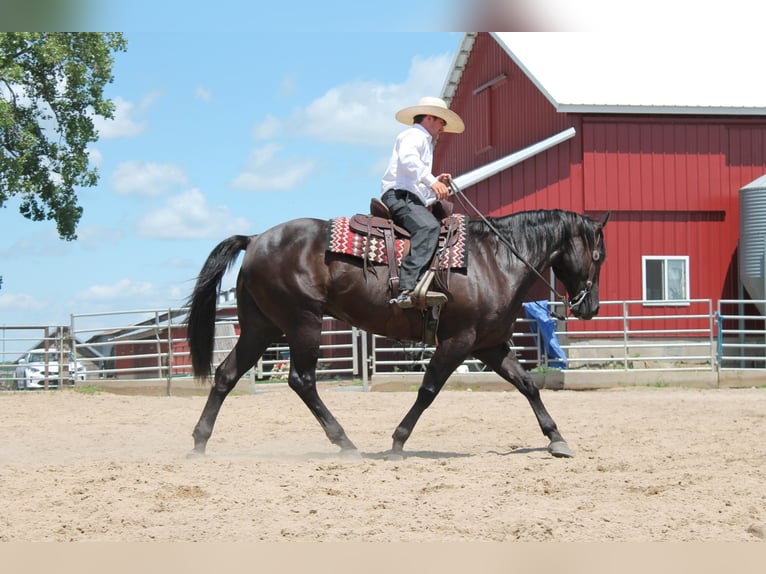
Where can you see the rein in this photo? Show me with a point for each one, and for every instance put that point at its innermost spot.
(568, 304)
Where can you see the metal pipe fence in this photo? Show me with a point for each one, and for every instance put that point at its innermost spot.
(388, 356)
(620, 338)
(625, 335)
(741, 335)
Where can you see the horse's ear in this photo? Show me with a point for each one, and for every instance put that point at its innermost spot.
(602, 222)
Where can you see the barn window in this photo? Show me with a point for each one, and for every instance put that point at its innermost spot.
(481, 124)
(666, 280)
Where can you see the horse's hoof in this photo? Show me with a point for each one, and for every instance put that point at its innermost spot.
(394, 456)
(196, 454)
(560, 449)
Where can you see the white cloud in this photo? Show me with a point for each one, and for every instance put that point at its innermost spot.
(95, 157)
(268, 128)
(262, 156)
(125, 288)
(287, 87)
(130, 294)
(203, 94)
(124, 123)
(150, 179)
(358, 113)
(178, 293)
(264, 170)
(43, 244)
(20, 302)
(362, 113)
(97, 236)
(188, 216)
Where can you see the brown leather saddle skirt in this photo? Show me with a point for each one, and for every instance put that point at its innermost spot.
(377, 240)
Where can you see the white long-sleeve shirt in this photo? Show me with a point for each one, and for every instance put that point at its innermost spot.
(410, 164)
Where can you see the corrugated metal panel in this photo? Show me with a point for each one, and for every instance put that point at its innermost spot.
(503, 112)
(706, 237)
(666, 184)
(653, 165)
(671, 183)
(752, 247)
(492, 168)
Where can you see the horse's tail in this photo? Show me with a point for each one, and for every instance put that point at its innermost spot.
(200, 322)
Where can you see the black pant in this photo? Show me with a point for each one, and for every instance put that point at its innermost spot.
(409, 212)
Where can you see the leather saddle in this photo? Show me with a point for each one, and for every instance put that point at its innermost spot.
(440, 209)
(379, 220)
(379, 224)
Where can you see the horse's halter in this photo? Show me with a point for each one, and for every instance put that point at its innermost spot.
(569, 304)
(580, 297)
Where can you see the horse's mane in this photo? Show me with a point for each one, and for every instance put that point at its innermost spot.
(536, 232)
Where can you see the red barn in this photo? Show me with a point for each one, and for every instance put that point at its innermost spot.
(664, 139)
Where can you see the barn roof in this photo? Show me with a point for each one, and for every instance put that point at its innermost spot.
(629, 73)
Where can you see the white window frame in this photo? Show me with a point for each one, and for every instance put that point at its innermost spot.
(666, 286)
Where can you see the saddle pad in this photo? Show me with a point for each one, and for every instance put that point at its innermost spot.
(347, 241)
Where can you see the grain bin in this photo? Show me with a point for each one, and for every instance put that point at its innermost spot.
(752, 239)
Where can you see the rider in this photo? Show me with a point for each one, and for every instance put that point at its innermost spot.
(409, 188)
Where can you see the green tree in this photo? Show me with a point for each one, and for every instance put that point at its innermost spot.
(51, 88)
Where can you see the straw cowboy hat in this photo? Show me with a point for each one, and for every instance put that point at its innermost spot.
(431, 106)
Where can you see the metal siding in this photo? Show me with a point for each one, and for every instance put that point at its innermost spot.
(634, 165)
(509, 115)
(753, 233)
(662, 179)
(671, 182)
(746, 162)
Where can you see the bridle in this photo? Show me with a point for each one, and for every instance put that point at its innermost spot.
(569, 304)
(580, 297)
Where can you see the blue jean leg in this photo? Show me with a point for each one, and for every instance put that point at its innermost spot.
(409, 213)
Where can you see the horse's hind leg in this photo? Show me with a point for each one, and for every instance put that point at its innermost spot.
(242, 357)
(304, 354)
(503, 361)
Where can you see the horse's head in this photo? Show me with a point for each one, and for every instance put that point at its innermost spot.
(579, 265)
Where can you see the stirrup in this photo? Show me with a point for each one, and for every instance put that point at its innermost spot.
(435, 298)
(432, 298)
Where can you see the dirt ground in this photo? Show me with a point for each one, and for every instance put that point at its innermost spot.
(651, 464)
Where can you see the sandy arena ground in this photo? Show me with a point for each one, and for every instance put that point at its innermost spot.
(651, 464)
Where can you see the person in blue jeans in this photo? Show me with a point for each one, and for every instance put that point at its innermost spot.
(408, 189)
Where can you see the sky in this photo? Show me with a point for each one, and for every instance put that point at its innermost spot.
(216, 134)
(230, 120)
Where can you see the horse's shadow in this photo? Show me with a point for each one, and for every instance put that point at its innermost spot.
(386, 455)
(526, 450)
(438, 455)
(424, 454)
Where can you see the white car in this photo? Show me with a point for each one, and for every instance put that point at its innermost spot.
(39, 365)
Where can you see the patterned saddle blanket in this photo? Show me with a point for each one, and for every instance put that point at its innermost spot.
(374, 238)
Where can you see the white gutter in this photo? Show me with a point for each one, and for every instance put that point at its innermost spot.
(484, 172)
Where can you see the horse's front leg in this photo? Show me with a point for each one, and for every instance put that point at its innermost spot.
(439, 368)
(503, 361)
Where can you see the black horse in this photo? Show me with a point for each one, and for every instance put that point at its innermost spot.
(289, 280)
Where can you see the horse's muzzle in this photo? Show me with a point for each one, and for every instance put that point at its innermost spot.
(586, 315)
(583, 305)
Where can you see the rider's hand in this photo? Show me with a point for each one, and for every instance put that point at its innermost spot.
(441, 190)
